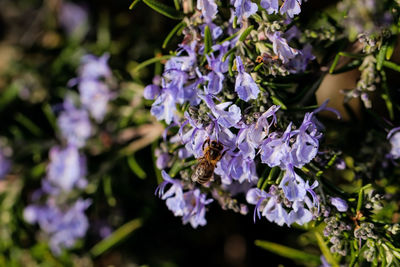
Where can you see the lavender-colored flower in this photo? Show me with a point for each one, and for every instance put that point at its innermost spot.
(244, 9)
(281, 47)
(245, 86)
(151, 91)
(66, 168)
(195, 208)
(94, 68)
(394, 139)
(74, 125)
(164, 107)
(224, 118)
(276, 151)
(63, 225)
(339, 203)
(300, 62)
(300, 215)
(291, 7)
(208, 9)
(94, 96)
(162, 158)
(5, 164)
(272, 6)
(293, 186)
(73, 18)
(190, 205)
(250, 137)
(306, 146)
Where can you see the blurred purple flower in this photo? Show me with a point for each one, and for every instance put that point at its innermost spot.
(63, 225)
(74, 125)
(339, 203)
(272, 6)
(300, 62)
(94, 68)
(67, 168)
(5, 164)
(394, 139)
(73, 18)
(94, 96)
(245, 86)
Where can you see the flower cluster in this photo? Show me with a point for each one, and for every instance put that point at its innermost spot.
(234, 84)
(61, 216)
(199, 78)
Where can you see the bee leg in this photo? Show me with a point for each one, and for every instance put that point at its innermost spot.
(206, 142)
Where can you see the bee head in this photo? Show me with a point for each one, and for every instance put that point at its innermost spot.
(217, 145)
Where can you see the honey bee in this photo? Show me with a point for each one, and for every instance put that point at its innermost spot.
(212, 153)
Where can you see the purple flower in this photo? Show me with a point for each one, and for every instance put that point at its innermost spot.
(244, 9)
(245, 86)
(73, 18)
(164, 107)
(293, 186)
(94, 96)
(208, 9)
(272, 6)
(151, 91)
(195, 208)
(339, 203)
(394, 139)
(5, 164)
(306, 146)
(250, 137)
(224, 118)
(291, 7)
(281, 47)
(66, 168)
(300, 215)
(63, 225)
(276, 151)
(94, 68)
(300, 62)
(162, 159)
(190, 205)
(74, 125)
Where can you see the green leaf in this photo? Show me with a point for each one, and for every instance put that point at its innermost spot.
(287, 252)
(325, 250)
(245, 33)
(176, 29)
(28, 124)
(134, 3)
(135, 167)
(279, 102)
(231, 51)
(390, 48)
(381, 57)
(107, 187)
(391, 65)
(116, 237)
(9, 94)
(165, 10)
(207, 40)
(150, 61)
